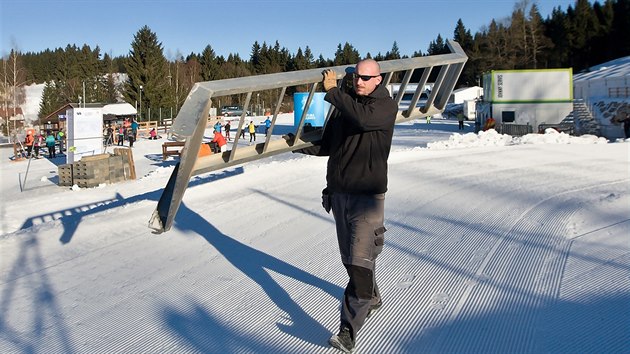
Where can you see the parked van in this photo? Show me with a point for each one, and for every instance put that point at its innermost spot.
(231, 111)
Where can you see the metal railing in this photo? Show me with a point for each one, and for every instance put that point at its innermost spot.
(191, 122)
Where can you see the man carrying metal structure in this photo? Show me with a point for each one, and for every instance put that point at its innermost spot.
(357, 140)
(366, 113)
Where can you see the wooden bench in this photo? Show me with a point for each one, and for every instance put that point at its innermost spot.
(176, 148)
(172, 148)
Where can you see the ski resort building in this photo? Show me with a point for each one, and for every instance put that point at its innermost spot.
(605, 89)
(522, 100)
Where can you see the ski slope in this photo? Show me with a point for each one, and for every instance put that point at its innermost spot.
(490, 248)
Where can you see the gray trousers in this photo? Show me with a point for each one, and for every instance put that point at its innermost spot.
(361, 235)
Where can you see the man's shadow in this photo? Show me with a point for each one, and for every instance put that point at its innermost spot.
(256, 265)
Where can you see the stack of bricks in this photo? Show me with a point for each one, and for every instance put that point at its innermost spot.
(91, 171)
(65, 175)
(116, 169)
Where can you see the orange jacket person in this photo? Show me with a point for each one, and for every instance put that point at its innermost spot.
(220, 141)
(29, 143)
(489, 124)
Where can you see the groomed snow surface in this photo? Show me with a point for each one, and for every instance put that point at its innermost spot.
(494, 245)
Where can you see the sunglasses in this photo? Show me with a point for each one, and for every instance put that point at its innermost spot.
(363, 77)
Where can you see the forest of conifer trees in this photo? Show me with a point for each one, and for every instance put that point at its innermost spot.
(582, 36)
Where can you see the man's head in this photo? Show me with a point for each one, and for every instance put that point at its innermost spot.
(367, 75)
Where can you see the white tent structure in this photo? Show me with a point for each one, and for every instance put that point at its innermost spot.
(119, 109)
(464, 94)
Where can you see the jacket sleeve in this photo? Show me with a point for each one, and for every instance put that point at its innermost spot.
(376, 114)
(321, 147)
(314, 150)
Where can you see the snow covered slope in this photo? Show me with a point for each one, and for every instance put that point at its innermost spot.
(493, 246)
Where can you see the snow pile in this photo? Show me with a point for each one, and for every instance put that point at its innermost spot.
(552, 136)
(493, 138)
(483, 138)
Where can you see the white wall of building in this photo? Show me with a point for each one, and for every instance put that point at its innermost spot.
(465, 94)
(531, 97)
(84, 133)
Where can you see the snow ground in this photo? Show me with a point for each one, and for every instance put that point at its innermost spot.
(494, 245)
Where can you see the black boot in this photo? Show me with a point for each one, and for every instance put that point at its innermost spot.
(343, 340)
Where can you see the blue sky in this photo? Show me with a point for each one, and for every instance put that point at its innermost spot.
(232, 26)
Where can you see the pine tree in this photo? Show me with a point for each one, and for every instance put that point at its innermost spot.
(255, 58)
(556, 30)
(208, 64)
(394, 53)
(323, 63)
(309, 58)
(91, 74)
(110, 91)
(462, 36)
(147, 75)
(346, 55)
(582, 29)
(438, 46)
(602, 46)
(66, 76)
(619, 39)
(50, 100)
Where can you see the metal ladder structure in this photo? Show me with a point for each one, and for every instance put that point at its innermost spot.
(191, 121)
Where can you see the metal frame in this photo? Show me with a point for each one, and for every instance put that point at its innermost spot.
(192, 119)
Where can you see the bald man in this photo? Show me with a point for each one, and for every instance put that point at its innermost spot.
(357, 140)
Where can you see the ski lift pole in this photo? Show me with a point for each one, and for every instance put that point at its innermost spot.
(28, 166)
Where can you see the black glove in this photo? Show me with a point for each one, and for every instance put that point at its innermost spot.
(289, 138)
(326, 200)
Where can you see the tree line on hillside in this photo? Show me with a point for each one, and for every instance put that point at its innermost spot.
(584, 35)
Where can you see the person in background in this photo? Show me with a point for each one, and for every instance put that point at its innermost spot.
(252, 132)
(267, 125)
(28, 142)
(153, 134)
(243, 128)
(61, 137)
(357, 140)
(50, 144)
(130, 137)
(121, 135)
(227, 127)
(460, 121)
(220, 143)
(626, 126)
(134, 129)
(490, 123)
(218, 126)
(38, 143)
(110, 135)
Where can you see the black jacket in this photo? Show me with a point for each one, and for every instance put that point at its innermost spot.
(357, 139)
